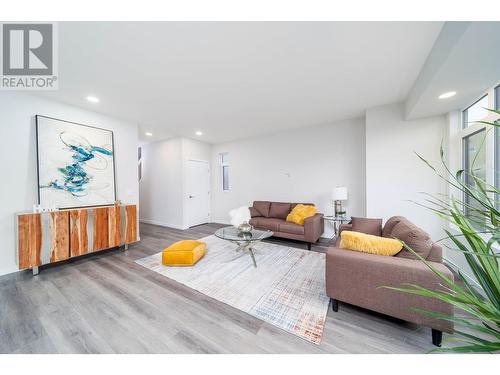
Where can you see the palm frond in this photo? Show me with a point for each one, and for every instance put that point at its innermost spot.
(477, 224)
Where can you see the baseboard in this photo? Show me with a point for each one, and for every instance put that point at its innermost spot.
(8, 271)
(220, 221)
(162, 224)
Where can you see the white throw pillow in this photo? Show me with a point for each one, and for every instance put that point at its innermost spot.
(239, 215)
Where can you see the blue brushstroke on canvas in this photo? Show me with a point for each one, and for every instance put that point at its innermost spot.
(75, 178)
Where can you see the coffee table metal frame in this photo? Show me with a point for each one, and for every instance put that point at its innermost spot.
(244, 244)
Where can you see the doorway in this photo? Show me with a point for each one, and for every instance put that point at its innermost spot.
(198, 192)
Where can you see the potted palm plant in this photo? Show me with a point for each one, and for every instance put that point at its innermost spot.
(476, 223)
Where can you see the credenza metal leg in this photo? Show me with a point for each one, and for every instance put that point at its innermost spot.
(125, 247)
(35, 270)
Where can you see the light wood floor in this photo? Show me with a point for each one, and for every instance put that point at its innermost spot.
(106, 303)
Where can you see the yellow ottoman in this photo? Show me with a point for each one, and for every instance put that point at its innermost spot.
(183, 253)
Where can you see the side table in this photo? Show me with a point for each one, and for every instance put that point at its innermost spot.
(337, 220)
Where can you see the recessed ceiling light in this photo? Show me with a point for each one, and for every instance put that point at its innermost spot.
(447, 95)
(149, 134)
(199, 133)
(93, 99)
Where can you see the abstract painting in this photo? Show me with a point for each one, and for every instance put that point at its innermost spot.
(75, 164)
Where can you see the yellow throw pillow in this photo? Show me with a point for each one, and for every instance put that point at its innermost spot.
(368, 243)
(300, 213)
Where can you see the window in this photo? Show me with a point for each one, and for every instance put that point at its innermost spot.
(475, 112)
(139, 161)
(224, 162)
(480, 144)
(474, 163)
(497, 144)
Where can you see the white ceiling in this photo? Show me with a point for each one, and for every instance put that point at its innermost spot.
(235, 80)
(465, 59)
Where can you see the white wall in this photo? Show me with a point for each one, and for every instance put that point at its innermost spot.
(162, 189)
(299, 165)
(195, 150)
(18, 155)
(394, 174)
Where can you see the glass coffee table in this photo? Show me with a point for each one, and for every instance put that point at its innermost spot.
(244, 241)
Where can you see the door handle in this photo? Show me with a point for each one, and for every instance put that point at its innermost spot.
(191, 196)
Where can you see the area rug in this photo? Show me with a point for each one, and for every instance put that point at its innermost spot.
(287, 289)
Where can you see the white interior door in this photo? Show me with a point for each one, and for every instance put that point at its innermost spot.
(198, 192)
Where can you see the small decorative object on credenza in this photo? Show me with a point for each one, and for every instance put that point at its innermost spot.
(37, 208)
(339, 194)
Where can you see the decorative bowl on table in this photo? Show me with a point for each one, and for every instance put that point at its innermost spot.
(244, 228)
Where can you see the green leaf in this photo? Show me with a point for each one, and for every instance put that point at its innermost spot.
(477, 221)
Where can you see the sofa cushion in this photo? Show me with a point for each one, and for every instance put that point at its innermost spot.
(367, 225)
(262, 207)
(390, 224)
(414, 237)
(269, 223)
(254, 212)
(300, 213)
(291, 228)
(305, 204)
(367, 243)
(280, 210)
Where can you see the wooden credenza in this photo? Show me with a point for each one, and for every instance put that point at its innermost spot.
(50, 237)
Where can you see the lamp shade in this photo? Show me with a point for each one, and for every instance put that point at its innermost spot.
(339, 193)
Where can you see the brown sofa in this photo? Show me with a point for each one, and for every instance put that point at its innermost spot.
(355, 278)
(272, 216)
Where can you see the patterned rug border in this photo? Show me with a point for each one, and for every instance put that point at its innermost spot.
(313, 333)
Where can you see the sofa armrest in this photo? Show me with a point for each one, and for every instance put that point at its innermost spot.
(254, 212)
(343, 227)
(313, 228)
(357, 278)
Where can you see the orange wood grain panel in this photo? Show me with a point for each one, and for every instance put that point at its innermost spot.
(59, 226)
(130, 223)
(55, 236)
(29, 240)
(101, 228)
(114, 226)
(79, 242)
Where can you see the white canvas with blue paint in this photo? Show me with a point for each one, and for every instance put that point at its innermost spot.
(75, 164)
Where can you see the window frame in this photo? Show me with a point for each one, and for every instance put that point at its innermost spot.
(473, 128)
(224, 164)
(496, 146)
(466, 157)
(465, 117)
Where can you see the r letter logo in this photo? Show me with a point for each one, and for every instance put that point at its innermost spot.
(29, 59)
